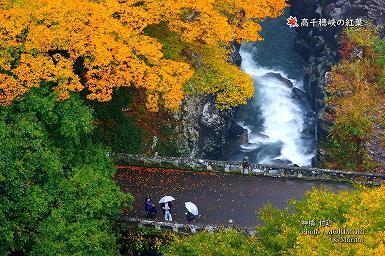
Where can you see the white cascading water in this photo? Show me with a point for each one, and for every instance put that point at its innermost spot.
(283, 118)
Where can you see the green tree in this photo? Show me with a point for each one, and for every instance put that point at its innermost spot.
(57, 196)
(221, 243)
(115, 128)
(283, 230)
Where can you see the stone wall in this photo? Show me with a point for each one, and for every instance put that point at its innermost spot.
(190, 164)
(183, 228)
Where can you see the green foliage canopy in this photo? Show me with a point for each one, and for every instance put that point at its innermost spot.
(221, 243)
(57, 196)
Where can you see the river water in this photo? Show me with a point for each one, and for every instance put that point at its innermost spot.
(279, 121)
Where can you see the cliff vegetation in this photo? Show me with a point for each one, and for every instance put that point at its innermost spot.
(355, 91)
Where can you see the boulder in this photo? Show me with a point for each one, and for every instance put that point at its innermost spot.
(336, 13)
(299, 95)
(279, 77)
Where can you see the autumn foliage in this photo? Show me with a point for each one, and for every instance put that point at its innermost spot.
(98, 45)
(284, 230)
(360, 209)
(356, 94)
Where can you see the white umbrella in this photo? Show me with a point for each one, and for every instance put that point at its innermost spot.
(191, 208)
(166, 199)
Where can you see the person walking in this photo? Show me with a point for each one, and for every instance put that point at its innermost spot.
(166, 205)
(167, 212)
(190, 217)
(150, 208)
(162, 206)
(245, 165)
(192, 211)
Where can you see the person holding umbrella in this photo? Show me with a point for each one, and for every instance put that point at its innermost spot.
(192, 211)
(167, 212)
(166, 205)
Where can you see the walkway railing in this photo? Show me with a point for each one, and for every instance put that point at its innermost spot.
(255, 169)
(183, 228)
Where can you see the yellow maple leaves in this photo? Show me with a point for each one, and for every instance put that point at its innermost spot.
(365, 211)
(231, 86)
(99, 45)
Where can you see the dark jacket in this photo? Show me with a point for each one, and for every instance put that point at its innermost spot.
(148, 206)
(150, 209)
(246, 164)
(190, 217)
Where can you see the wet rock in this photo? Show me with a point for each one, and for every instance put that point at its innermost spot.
(278, 77)
(210, 115)
(327, 10)
(319, 44)
(359, 10)
(237, 136)
(302, 47)
(214, 125)
(346, 9)
(310, 115)
(203, 128)
(260, 135)
(234, 57)
(188, 127)
(314, 161)
(336, 13)
(237, 131)
(340, 3)
(325, 126)
(299, 95)
(377, 11)
(309, 129)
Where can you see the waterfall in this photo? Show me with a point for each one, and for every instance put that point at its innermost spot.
(280, 139)
(279, 122)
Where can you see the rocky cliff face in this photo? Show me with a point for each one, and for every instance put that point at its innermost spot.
(319, 45)
(204, 129)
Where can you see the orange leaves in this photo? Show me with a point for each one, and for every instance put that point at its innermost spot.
(215, 21)
(32, 70)
(169, 84)
(250, 31)
(10, 88)
(100, 45)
